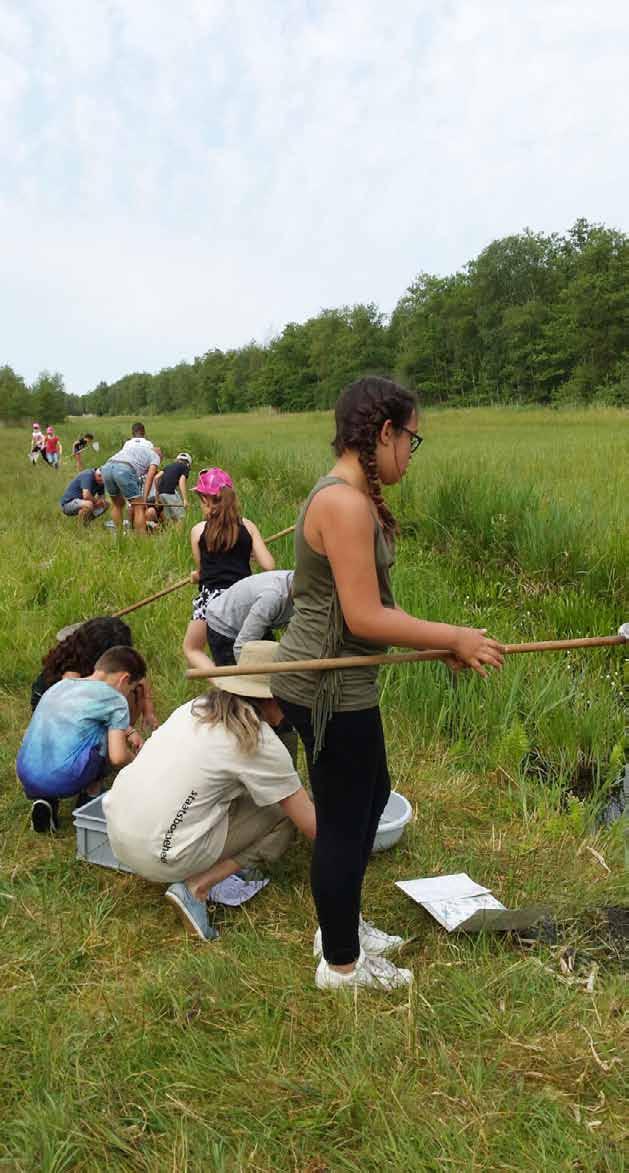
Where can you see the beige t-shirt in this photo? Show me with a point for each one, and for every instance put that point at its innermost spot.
(167, 811)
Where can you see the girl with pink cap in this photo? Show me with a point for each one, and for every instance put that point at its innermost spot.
(222, 547)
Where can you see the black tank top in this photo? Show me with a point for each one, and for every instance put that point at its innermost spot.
(225, 567)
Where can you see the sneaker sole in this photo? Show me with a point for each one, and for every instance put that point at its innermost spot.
(42, 817)
(378, 987)
(184, 916)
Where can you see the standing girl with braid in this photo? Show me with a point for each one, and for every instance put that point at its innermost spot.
(344, 546)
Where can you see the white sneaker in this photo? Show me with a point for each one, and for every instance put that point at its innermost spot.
(370, 972)
(372, 940)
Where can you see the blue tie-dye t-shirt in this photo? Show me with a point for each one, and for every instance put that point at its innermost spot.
(65, 745)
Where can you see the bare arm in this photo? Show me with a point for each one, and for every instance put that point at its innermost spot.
(343, 524)
(183, 489)
(195, 534)
(118, 750)
(300, 810)
(260, 551)
(87, 495)
(150, 477)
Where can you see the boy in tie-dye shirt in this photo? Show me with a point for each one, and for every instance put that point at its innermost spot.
(80, 727)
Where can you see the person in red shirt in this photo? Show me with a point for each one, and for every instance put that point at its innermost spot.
(53, 448)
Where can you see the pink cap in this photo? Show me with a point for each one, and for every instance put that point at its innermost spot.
(211, 481)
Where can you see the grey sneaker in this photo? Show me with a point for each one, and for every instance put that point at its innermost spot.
(192, 912)
(372, 940)
(369, 972)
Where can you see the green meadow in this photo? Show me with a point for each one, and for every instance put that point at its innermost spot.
(125, 1045)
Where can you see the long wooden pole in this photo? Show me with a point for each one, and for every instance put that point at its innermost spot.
(553, 645)
(175, 586)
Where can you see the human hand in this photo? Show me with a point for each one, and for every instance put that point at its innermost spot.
(194, 575)
(453, 663)
(134, 741)
(473, 648)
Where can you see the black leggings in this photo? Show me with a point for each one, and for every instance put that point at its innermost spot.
(350, 786)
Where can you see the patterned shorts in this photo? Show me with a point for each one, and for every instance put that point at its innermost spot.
(199, 604)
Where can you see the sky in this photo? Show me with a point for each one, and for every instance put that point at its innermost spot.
(181, 176)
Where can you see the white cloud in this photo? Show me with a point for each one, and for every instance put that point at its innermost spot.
(174, 177)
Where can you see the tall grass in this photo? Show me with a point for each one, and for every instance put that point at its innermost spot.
(127, 1047)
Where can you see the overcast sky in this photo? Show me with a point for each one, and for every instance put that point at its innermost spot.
(179, 176)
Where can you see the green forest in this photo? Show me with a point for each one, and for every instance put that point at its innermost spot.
(534, 318)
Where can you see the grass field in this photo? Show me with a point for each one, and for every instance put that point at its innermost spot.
(126, 1046)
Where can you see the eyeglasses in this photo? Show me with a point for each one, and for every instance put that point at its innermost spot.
(416, 439)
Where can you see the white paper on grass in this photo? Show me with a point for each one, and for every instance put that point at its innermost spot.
(454, 913)
(436, 888)
(457, 902)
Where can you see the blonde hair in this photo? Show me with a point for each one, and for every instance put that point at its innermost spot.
(238, 714)
(222, 520)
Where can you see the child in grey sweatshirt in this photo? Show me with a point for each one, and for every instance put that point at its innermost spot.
(250, 609)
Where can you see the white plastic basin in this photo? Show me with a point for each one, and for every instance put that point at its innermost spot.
(396, 814)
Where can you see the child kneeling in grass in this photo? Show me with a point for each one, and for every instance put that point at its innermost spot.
(79, 728)
(213, 791)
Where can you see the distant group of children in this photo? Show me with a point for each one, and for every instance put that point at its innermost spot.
(47, 445)
(213, 790)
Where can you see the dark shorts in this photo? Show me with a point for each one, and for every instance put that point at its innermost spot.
(221, 647)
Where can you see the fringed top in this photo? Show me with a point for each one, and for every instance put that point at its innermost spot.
(318, 631)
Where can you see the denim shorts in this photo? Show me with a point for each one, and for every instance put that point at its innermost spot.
(120, 480)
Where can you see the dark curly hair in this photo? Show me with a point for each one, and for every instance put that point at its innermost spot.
(361, 411)
(80, 650)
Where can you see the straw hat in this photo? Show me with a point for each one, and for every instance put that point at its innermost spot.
(257, 651)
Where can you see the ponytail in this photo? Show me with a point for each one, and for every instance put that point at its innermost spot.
(223, 521)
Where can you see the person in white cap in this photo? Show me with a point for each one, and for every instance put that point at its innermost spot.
(38, 444)
(213, 791)
(171, 490)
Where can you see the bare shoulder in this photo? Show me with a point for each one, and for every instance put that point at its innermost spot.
(337, 502)
(250, 526)
(197, 530)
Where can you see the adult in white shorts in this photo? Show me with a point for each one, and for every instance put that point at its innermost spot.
(212, 791)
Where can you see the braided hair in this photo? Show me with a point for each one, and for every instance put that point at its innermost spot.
(361, 411)
(80, 650)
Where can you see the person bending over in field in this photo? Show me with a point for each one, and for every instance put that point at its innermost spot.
(222, 547)
(212, 792)
(79, 728)
(75, 654)
(344, 606)
(129, 475)
(78, 448)
(171, 490)
(85, 496)
(248, 610)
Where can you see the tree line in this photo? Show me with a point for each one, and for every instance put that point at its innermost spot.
(535, 318)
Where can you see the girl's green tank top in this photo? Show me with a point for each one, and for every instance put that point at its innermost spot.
(318, 630)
